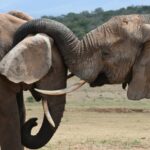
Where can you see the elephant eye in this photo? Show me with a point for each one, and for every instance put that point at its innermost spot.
(105, 53)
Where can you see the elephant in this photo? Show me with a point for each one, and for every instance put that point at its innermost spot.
(35, 62)
(9, 22)
(116, 52)
(20, 101)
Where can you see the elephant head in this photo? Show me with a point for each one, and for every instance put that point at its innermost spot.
(115, 52)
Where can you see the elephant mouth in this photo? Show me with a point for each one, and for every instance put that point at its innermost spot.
(100, 80)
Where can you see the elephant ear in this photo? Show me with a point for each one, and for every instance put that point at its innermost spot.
(29, 60)
(139, 87)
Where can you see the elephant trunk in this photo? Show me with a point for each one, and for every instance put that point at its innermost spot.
(83, 58)
(46, 131)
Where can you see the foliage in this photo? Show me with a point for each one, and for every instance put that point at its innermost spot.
(30, 99)
(81, 23)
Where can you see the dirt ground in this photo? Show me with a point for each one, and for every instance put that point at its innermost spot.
(99, 119)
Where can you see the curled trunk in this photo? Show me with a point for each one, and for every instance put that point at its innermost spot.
(46, 131)
(81, 57)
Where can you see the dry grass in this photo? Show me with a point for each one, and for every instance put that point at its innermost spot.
(100, 119)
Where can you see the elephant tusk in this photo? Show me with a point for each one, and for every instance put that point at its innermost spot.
(63, 91)
(47, 113)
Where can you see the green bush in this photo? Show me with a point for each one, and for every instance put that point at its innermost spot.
(81, 23)
(30, 99)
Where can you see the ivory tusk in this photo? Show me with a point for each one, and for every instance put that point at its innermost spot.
(63, 91)
(47, 113)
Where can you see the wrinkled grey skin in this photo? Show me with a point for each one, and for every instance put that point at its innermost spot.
(10, 136)
(113, 53)
(9, 117)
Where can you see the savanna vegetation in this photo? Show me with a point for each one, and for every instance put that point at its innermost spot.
(81, 23)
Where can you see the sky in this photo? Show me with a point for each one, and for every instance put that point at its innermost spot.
(38, 8)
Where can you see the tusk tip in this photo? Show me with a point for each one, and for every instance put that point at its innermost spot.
(53, 124)
(47, 113)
